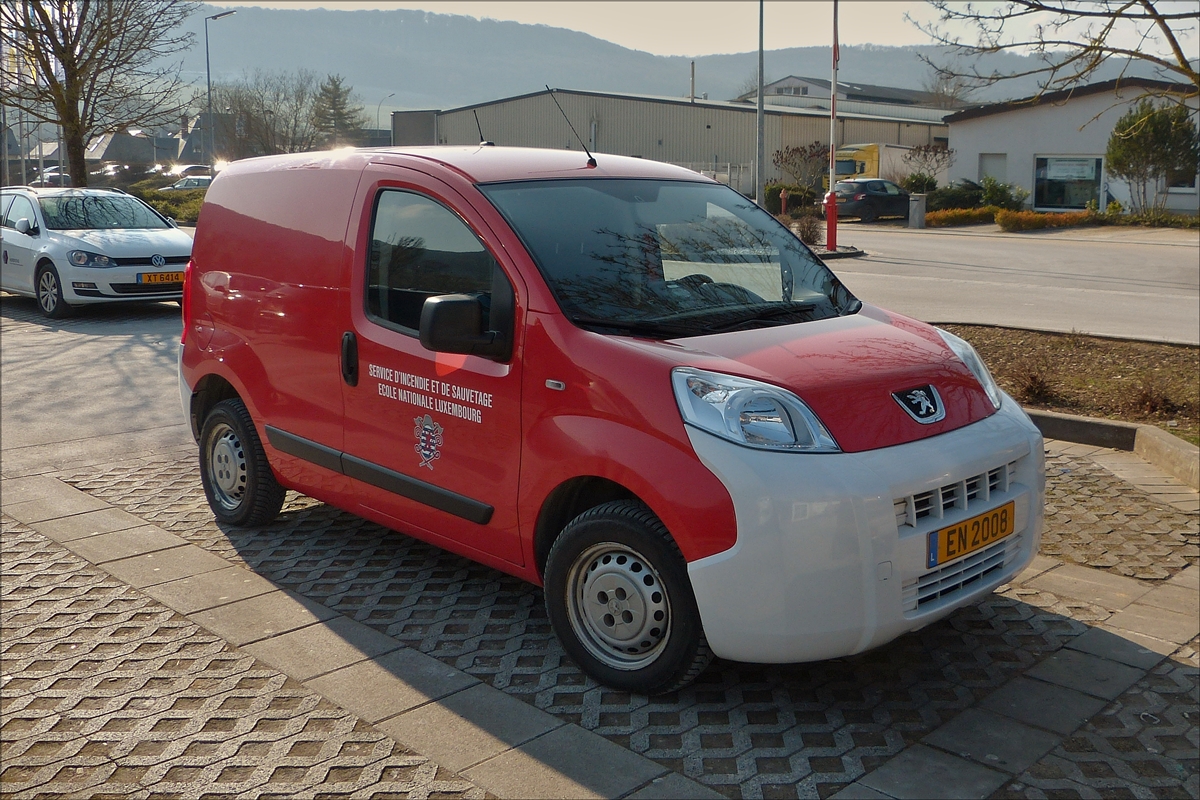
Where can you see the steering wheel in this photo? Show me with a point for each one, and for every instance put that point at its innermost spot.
(693, 281)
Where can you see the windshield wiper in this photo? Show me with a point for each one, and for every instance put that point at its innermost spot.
(637, 326)
(768, 314)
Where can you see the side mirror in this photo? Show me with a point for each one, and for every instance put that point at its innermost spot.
(26, 227)
(453, 323)
(171, 221)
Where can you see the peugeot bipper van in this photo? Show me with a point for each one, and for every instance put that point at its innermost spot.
(621, 381)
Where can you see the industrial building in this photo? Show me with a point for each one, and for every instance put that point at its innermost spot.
(711, 136)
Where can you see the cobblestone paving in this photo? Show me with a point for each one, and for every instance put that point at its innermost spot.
(107, 693)
(1096, 519)
(746, 730)
(1146, 743)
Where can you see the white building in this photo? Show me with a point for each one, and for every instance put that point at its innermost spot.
(1053, 146)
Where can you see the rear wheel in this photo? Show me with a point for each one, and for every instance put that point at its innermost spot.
(49, 293)
(238, 482)
(618, 596)
(868, 215)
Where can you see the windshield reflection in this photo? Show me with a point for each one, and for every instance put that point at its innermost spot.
(92, 212)
(666, 257)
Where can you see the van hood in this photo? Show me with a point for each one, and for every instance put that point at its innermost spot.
(129, 242)
(847, 370)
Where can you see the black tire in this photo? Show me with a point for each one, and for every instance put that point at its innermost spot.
(868, 215)
(48, 288)
(640, 631)
(238, 482)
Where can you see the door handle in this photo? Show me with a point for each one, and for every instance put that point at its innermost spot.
(350, 358)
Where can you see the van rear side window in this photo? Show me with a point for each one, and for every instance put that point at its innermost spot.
(421, 249)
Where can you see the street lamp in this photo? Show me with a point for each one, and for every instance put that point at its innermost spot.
(208, 79)
(380, 107)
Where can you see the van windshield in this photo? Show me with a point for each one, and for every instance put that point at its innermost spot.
(666, 258)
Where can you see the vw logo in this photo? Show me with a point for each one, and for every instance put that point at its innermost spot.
(158, 260)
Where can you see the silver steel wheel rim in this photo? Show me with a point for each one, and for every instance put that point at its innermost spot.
(618, 606)
(227, 467)
(48, 292)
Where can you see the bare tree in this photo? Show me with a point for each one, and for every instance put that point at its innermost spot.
(948, 90)
(268, 112)
(749, 85)
(1072, 39)
(93, 66)
(928, 159)
(806, 164)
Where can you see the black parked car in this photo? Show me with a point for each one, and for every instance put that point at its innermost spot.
(870, 198)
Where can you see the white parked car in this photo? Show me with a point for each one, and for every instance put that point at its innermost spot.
(69, 247)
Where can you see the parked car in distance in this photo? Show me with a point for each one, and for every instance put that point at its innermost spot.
(72, 247)
(49, 178)
(615, 378)
(188, 170)
(188, 184)
(870, 198)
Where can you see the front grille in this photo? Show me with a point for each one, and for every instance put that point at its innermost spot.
(965, 494)
(144, 261)
(959, 576)
(147, 288)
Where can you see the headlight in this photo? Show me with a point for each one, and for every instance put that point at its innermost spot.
(749, 412)
(82, 258)
(968, 356)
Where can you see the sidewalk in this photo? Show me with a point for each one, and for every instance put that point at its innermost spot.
(164, 653)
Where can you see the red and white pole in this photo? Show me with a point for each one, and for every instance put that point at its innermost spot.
(830, 196)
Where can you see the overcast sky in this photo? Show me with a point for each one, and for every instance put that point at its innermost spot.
(681, 28)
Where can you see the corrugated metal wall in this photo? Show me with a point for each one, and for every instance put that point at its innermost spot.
(663, 131)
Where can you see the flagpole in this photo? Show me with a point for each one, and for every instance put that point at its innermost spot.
(831, 198)
(760, 151)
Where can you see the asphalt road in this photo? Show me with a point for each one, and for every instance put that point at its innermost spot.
(1124, 282)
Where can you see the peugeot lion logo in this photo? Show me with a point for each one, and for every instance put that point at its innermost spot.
(158, 260)
(922, 403)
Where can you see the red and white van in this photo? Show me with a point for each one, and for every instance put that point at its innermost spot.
(624, 382)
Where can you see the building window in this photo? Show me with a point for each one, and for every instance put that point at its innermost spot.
(1066, 183)
(1181, 181)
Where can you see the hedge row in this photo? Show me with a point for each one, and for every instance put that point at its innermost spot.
(960, 216)
(183, 206)
(1033, 220)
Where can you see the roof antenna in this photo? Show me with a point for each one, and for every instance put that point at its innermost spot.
(482, 141)
(591, 162)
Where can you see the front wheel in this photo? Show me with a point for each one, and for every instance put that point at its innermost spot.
(619, 599)
(49, 293)
(238, 482)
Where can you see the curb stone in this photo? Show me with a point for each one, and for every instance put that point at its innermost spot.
(1169, 453)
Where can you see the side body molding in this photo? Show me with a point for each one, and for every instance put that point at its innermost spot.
(434, 496)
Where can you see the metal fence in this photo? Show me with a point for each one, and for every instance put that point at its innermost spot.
(737, 176)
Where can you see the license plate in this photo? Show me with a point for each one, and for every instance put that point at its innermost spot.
(160, 277)
(972, 534)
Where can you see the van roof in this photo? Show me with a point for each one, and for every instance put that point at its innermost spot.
(486, 163)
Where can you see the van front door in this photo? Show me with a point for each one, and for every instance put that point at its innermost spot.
(434, 439)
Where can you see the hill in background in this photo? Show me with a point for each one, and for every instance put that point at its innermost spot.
(443, 61)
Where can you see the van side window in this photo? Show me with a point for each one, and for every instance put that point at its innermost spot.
(419, 249)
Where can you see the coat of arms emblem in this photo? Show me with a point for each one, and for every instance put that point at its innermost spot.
(429, 440)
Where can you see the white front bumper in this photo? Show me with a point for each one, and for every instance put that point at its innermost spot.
(821, 567)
